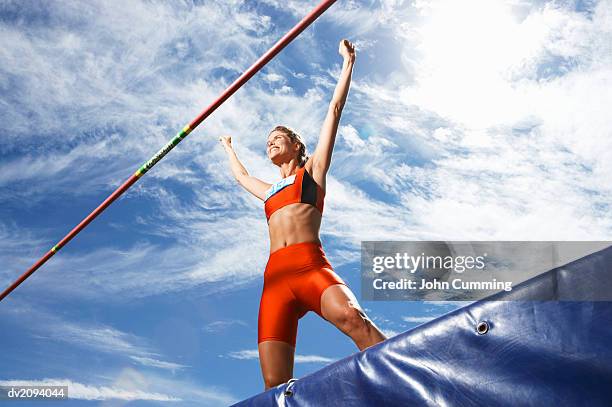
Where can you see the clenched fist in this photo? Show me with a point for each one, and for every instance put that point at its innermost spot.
(226, 142)
(347, 50)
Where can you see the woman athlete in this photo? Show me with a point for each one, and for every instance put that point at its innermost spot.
(298, 277)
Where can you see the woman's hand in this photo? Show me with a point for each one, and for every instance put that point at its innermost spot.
(226, 141)
(347, 50)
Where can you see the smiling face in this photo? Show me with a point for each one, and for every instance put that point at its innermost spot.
(281, 148)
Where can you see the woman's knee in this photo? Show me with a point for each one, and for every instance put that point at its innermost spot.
(352, 319)
(272, 379)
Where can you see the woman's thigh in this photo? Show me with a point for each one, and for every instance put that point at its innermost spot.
(335, 299)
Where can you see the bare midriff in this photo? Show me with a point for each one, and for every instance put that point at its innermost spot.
(294, 223)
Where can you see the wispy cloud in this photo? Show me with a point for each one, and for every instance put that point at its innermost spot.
(254, 354)
(219, 326)
(389, 333)
(98, 337)
(201, 258)
(190, 393)
(82, 391)
(418, 320)
(313, 359)
(128, 384)
(146, 361)
(89, 96)
(244, 354)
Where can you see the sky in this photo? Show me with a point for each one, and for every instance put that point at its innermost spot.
(471, 120)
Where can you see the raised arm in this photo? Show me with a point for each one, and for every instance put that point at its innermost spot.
(254, 185)
(321, 158)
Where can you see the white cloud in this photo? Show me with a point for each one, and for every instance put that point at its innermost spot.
(16, 246)
(218, 326)
(274, 77)
(190, 393)
(119, 273)
(418, 320)
(351, 137)
(296, 7)
(244, 354)
(85, 105)
(390, 333)
(98, 337)
(82, 391)
(145, 361)
(313, 359)
(128, 384)
(250, 354)
(285, 89)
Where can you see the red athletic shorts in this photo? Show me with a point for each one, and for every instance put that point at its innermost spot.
(294, 281)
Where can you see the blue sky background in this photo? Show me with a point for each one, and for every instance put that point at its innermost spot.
(472, 120)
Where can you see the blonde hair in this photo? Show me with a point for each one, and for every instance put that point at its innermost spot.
(295, 138)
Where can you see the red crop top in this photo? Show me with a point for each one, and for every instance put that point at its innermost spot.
(299, 187)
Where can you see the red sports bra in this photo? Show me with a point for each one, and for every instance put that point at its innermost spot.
(299, 187)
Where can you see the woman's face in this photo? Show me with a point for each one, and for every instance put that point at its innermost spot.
(280, 147)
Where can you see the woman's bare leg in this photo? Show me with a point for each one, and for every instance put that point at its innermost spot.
(340, 307)
(276, 360)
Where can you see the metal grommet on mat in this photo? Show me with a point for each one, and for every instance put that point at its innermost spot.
(289, 388)
(482, 327)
